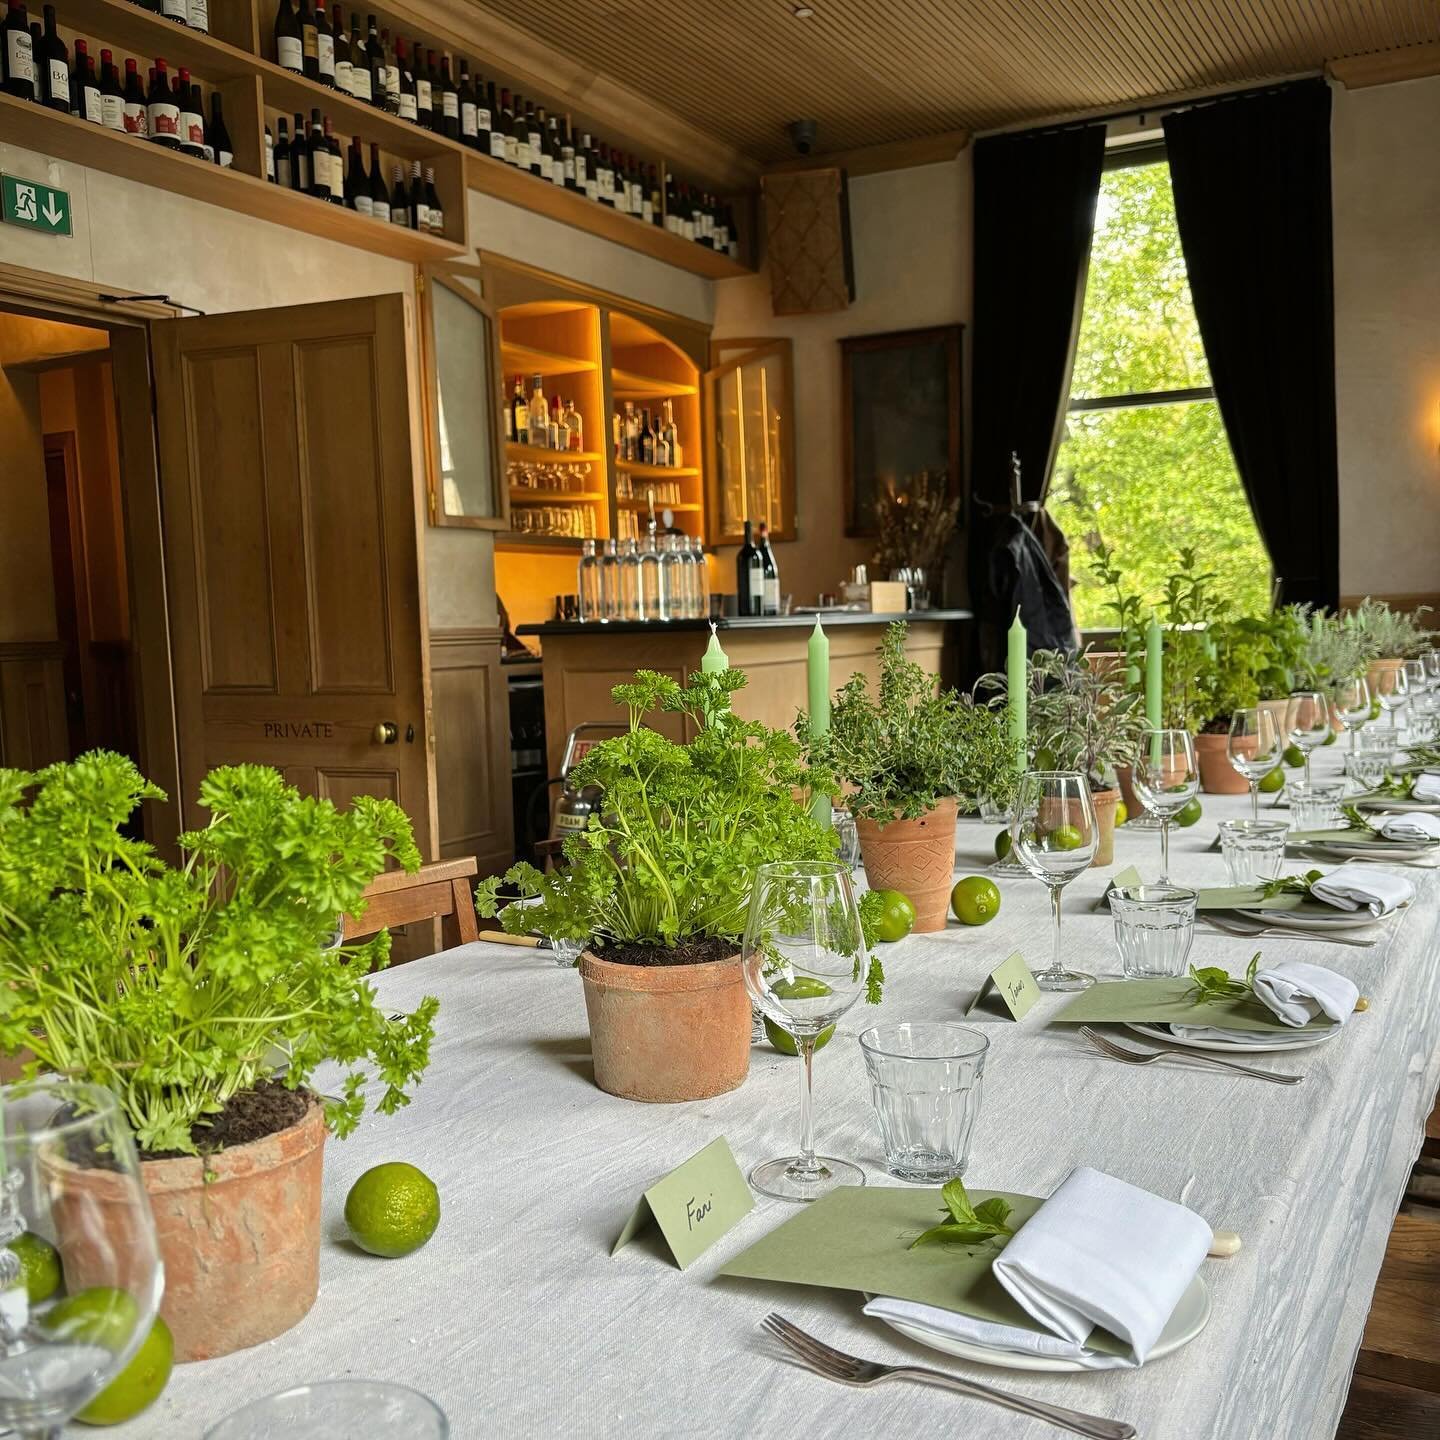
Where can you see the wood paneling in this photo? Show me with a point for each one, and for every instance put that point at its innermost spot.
(32, 705)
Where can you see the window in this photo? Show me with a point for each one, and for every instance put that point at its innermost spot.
(1144, 464)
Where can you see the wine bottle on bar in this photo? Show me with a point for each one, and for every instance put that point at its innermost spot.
(192, 118)
(469, 110)
(20, 57)
(770, 602)
(289, 48)
(535, 138)
(432, 200)
(379, 191)
(587, 169)
(408, 97)
(749, 576)
(424, 91)
(484, 113)
(568, 157)
(379, 67)
(309, 40)
(53, 67)
(419, 210)
(282, 156)
(357, 182)
(360, 72)
(300, 158)
(399, 201)
(340, 44)
(162, 114)
(137, 119)
(500, 127)
(319, 153)
(337, 166)
(112, 94)
(84, 87)
(324, 47)
(449, 102)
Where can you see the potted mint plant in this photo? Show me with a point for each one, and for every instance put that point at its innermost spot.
(173, 985)
(657, 889)
(911, 754)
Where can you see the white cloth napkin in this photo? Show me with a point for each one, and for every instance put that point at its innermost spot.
(1358, 886)
(1099, 1251)
(1426, 786)
(1299, 993)
(1230, 1037)
(1414, 825)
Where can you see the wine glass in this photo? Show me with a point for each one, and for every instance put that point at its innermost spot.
(1352, 705)
(1254, 748)
(1416, 686)
(71, 1178)
(805, 964)
(1054, 834)
(1307, 722)
(1167, 778)
(1392, 689)
(338, 1410)
(1431, 661)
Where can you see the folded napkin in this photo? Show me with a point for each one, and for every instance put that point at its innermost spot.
(1299, 993)
(1426, 786)
(1415, 826)
(1097, 1252)
(1367, 887)
(1217, 1032)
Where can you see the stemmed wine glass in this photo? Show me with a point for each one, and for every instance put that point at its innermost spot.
(805, 963)
(338, 1410)
(1307, 722)
(1392, 690)
(1352, 705)
(1254, 748)
(1167, 778)
(1053, 833)
(69, 1175)
(1431, 661)
(1416, 688)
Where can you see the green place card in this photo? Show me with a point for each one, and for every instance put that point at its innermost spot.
(1118, 881)
(1009, 990)
(1170, 1002)
(693, 1205)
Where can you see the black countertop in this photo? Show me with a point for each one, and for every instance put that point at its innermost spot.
(828, 620)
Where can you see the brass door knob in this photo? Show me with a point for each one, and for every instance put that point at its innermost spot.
(386, 732)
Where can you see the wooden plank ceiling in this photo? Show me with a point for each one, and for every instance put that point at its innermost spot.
(877, 71)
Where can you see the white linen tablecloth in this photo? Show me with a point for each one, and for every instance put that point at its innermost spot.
(516, 1319)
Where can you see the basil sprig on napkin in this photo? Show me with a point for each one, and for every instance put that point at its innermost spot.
(967, 1224)
(1213, 983)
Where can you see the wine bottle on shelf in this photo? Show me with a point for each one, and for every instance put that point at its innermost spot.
(289, 45)
(197, 15)
(379, 191)
(656, 213)
(177, 10)
(619, 185)
(360, 71)
(340, 45)
(575, 426)
(770, 594)
(300, 158)
(419, 208)
(336, 174)
(112, 94)
(535, 136)
(319, 152)
(662, 444)
(309, 40)
(484, 113)
(587, 173)
(749, 576)
(555, 143)
(357, 182)
(84, 87)
(324, 46)
(672, 435)
(379, 66)
(399, 200)
(567, 155)
(449, 102)
(408, 94)
(539, 414)
(672, 204)
(424, 91)
(500, 127)
(647, 439)
(136, 114)
(432, 199)
(519, 414)
(637, 188)
(53, 66)
(192, 117)
(469, 111)
(282, 155)
(517, 149)
(162, 114)
(269, 156)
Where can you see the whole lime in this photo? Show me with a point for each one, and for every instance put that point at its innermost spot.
(1273, 782)
(1122, 812)
(1330, 738)
(392, 1209)
(1375, 708)
(101, 1315)
(1294, 756)
(897, 916)
(1065, 837)
(1003, 843)
(139, 1384)
(975, 900)
(1189, 815)
(39, 1264)
(802, 987)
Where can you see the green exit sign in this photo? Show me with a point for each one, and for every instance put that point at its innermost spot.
(35, 206)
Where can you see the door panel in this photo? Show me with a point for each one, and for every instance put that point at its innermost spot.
(291, 549)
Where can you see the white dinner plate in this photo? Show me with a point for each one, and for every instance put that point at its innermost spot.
(1184, 1325)
(1342, 919)
(1380, 802)
(1360, 850)
(1302, 1040)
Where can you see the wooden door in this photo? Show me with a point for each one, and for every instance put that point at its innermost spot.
(291, 551)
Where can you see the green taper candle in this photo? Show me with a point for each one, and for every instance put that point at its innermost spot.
(1017, 688)
(1154, 670)
(714, 659)
(817, 676)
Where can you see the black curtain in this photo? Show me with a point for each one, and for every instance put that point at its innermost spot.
(1252, 195)
(1034, 219)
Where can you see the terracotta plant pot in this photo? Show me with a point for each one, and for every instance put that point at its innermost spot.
(1217, 775)
(241, 1249)
(667, 1032)
(1378, 668)
(1105, 802)
(915, 857)
(1125, 778)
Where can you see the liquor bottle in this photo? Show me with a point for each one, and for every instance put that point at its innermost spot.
(52, 64)
(337, 166)
(424, 91)
(407, 96)
(539, 414)
(610, 582)
(135, 116)
(192, 118)
(309, 40)
(360, 72)
(324, 46)
(520, 414)
(84, 87)
(647, 439)
(575, 426)
(671, 433)
(379, 191)
(197, 15)
(289, 46)
(500, 127)
(419, 209)
(449, 102)
(340, 45)
(282, 156)
(162, 114)
(469, 110)
(630, 437)
(357, 182)
(771, 590)
(112, 95)
(749, 576)
(399, 200)
(300, 158)
(559, 434)
(432, 200)
(662, 445)
(636, 178)
(177, 10)
(587, 583)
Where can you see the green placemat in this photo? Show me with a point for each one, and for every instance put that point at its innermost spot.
(855, 1238)
(1168, 1002)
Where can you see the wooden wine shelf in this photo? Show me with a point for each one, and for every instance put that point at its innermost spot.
(655, 472)
(626, 385)
(523, 358)
(520, 493)
(679, 507)
(518, 540)
(549, 457)
(34, 127)
(120, 25)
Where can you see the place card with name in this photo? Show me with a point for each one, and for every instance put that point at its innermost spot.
(1009, 990)
(1118, 881)
(693, 1205)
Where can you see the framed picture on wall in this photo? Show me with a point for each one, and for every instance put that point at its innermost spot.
(900, 394)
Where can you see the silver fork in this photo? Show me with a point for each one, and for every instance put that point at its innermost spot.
(1127, 1055)
(1251, 931)
(835, 1364)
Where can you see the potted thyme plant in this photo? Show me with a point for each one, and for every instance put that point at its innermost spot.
(657, 889)
(173, 987)
(910, 754)
(1388, 638)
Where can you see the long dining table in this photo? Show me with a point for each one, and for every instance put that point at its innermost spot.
(518, 1321)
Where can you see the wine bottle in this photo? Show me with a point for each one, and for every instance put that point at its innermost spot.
(162, 114)
(136, 116)
(282, 156)
(567, 155)
(419, 210)
(192, 118)
(534, 135)
(324, 47)
(424, 91)
(379, 192)
(319, 153)
(197, 15)
(399, 200)
(484, 113)
(554, 144)
(289, 47)
(336, 173)
(53, 67)
(587, 179)
(340, 46)
(449, 102)
(407, 95)
(647, 438)
(500, 127)
(177, 10)
(379, 67)
(309, 40)
(520, 414)
(357, 182)
(300, 158)
(269, 156)
(432, 200)
(20, 57)
(770, 591)
(217, 137)
(469, 111)
(360, 71)
(84, 88)
(749, 576)
(655, 204)
(112, 94)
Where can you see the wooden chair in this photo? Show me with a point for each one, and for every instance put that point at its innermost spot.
(441, 891)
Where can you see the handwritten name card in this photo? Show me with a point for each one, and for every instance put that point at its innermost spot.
(694, 1205)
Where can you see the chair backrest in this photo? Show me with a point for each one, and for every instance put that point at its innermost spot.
(441, 891)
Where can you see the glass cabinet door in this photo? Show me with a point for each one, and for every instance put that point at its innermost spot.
(750, 439)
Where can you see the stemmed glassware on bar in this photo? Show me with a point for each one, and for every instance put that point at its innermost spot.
(1167, 778)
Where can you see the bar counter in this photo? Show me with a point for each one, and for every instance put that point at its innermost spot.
(581, 661)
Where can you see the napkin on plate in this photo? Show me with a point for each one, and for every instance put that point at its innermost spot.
(1368, 887)
(1426, 786)
(1416, 827)
(1299, 993)
(1098, 1252)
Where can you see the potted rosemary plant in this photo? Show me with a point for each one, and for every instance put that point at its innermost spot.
(173, 986)
(1388, 638)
